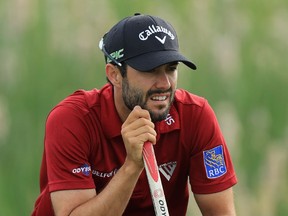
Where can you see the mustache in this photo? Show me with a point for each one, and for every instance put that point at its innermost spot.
(158, 91)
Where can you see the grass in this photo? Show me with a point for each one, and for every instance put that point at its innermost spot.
(48, 50)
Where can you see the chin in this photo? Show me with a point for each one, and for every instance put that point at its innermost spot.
(158, 116)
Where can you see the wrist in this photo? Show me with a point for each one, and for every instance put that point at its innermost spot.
(132, 167)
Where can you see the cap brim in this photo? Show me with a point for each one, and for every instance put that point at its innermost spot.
(149, 61)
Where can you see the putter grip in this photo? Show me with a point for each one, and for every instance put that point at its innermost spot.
(150, 160)
(154, 180)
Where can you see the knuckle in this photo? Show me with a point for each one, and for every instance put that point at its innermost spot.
(123, 131)
(147, 127)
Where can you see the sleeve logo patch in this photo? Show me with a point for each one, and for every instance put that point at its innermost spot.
(85, 169)
(214, 162)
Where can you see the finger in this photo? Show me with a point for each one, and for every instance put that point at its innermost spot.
(141, 139)
(137, 123)
(138, 127)
(145, 133)
(137, 113)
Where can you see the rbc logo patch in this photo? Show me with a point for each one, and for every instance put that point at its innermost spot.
(214, 162)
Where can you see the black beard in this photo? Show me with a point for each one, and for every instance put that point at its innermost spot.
(133, 97)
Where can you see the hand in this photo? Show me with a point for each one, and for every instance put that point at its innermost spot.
(137, 129)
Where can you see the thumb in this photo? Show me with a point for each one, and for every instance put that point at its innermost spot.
(137, 107)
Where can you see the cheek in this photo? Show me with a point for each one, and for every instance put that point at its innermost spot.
(176, 76)
(143, 84)
(173, 80)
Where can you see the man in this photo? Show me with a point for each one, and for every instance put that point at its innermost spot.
(92, 162)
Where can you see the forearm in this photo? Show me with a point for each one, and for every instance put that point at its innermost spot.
(115, 196)
(221, 203)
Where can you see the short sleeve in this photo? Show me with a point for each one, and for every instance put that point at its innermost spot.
(211, 168)
(67, 145)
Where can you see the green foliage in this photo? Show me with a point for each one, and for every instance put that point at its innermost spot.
(49, 49)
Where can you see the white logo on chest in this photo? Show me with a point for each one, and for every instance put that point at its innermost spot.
(169, 120)
(167, 169)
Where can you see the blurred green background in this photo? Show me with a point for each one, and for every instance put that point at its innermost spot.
(48, 49)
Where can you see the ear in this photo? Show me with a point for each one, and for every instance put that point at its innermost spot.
(113, 74)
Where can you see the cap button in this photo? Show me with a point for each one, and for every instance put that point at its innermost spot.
(137, 14)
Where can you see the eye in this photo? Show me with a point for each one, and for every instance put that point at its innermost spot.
(172, 66)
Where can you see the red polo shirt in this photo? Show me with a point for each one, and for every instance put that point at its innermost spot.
(84, 149)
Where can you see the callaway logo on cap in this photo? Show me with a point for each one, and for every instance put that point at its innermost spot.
(144, 42)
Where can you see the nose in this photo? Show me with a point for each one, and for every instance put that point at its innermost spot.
(162, 80)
